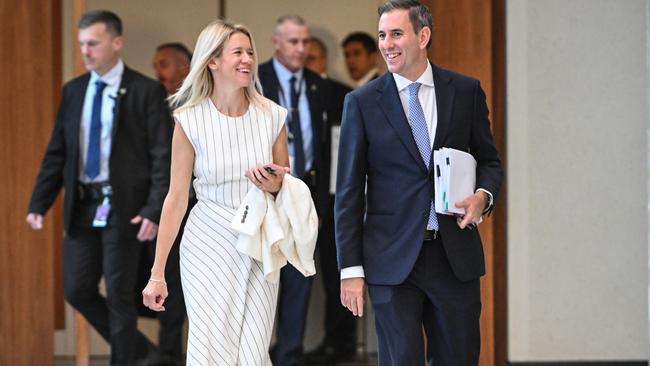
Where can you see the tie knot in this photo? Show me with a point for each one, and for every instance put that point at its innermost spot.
(414, 88)
(292, 81)
(100, 85)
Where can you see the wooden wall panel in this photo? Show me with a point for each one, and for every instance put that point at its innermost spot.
(56, 212)
(30, 61)
(469, 37)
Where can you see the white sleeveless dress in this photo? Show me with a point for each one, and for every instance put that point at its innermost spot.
(230, 306)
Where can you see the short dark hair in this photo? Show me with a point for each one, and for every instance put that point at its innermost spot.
(178, 47)
(364, 38)
(111, 20)
(419, 15)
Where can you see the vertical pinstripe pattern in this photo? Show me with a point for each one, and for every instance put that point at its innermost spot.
(230, 306)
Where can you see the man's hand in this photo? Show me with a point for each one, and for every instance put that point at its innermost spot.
(352, 291)
(148, 229)
(35, 221)
(474, 206)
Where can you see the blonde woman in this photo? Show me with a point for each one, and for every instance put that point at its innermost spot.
(230, 137)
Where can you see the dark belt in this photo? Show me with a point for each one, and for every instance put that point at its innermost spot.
(430, 235)
(93, 191)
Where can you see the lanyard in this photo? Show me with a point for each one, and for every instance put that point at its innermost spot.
(291, 109)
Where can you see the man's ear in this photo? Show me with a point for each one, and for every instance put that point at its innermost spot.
(118, 42)
(425, 36)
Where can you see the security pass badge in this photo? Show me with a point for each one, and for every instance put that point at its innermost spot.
(103, 210)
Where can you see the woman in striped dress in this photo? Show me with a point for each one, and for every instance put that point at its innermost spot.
(228, 135)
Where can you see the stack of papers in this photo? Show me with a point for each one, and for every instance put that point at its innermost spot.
(455, 179)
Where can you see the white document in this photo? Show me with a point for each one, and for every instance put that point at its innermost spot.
(334, 154)
(455, 179)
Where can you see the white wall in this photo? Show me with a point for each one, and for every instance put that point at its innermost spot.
(149, 23)
(577, 178)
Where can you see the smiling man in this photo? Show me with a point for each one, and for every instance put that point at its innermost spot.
(422, 269)
(109, 151)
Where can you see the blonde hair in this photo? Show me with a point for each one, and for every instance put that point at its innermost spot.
(199, 85)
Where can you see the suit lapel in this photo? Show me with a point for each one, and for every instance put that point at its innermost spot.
(444, 104)
(76, 108)
(269, 81)
(390, 103)
(121, 92)
(271, 90)
(315, 108)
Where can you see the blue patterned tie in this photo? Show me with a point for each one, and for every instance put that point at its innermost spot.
(94, 138)
(296, 130)
(420, 132)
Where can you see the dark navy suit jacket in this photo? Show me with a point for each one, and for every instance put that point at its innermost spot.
(383, 229)
(317, 92)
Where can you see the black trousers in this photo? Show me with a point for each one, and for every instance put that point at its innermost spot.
(295, 290)
(90, 253)
(432, 297)
(339, 323)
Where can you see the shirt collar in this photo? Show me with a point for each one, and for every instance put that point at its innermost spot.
(367, 77)
(285, 74)
(112, 77)
(425, 79)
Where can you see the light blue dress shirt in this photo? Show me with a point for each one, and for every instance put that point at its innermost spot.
(112, 78)
(284, 75)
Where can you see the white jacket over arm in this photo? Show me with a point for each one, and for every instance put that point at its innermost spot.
(278, 231)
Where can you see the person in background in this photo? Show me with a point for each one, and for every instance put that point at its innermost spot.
(286, 81)
(110, 152)
(171, 63)
(360, 51)
(316, 60)
(422, 269)
(339, 343)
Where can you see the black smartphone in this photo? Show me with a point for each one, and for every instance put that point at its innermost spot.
(269, 170)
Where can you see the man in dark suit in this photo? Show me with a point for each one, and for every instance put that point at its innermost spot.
(110, 151)
(286, 81)
(422, 268)
(171, 63)
(360, 51)
(339, 343)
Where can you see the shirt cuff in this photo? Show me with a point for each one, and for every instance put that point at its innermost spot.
(490, 201)
(352, 272)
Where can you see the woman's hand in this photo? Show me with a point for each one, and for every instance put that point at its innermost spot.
(267, 177)
(154, 295)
